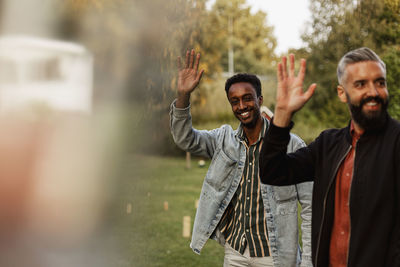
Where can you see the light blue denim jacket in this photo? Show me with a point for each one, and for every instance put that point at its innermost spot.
(228, 156)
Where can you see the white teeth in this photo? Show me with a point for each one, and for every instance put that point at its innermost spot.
(372, 104)
(245, 114)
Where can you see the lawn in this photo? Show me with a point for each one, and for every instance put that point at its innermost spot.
(150, 235)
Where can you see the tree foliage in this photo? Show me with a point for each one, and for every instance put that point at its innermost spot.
(337, 27)
(232, 23)
(135, 44)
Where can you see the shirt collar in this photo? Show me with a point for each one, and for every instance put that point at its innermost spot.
(242, 136)
(353, 132)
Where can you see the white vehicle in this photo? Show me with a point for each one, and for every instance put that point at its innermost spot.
(53, 73)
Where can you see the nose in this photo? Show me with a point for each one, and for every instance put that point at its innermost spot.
(372, 90)
(242, 105)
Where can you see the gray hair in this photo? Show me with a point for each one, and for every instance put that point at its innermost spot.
(354, 56)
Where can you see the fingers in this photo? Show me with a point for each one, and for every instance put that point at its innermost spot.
(279, 72)
(199, 75)
(187, 59)
(284, 68)
(310, 91)
(291, 65)
(302, 70)
(196, 64)
(191, 59)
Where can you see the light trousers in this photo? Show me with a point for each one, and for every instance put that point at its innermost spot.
(234, 259)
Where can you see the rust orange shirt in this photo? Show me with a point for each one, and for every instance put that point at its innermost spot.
(341, 224)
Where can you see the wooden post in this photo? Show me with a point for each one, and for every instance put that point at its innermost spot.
(165, 205)
(186, 226)
(129, 208)
(188, 161)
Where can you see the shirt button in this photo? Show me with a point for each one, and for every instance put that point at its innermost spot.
(347, 174)
(342, 232)
(248, 180)
(250, 163)
(247, 230)
(247, 214)
(248, 198)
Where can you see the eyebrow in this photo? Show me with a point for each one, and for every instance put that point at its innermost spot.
(380, 79)
(236, 97)
(364, 80)
(248, 95)
(360, 81)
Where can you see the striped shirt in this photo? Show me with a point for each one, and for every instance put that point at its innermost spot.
(244, 222)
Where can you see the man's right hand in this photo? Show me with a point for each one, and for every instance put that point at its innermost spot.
(290, 96)
(188, 78)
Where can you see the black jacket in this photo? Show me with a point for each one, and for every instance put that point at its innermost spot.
(374, 194)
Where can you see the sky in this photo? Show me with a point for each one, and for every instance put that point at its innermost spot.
(288, 18)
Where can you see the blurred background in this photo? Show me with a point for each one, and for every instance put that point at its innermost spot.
(89, 174)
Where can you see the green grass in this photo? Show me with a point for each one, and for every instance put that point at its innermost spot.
(150, 235)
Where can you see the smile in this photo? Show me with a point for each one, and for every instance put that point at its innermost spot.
(244, 115)
(371, 104)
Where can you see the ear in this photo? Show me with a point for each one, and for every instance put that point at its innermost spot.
(341, 94)
(260, 100)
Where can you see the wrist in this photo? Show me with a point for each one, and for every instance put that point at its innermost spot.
(182, 100)
(282, 118)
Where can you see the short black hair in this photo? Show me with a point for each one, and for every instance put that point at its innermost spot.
(246, 78)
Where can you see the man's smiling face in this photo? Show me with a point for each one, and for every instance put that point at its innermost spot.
(245, 103)
(364, 90)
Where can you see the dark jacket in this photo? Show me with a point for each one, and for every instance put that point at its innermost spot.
(374, 193)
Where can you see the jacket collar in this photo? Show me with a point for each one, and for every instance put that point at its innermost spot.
(367, 134)
(242, 136)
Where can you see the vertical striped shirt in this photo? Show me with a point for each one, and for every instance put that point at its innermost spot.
(244, 223)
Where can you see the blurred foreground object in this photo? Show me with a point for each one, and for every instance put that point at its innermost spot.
(53, 193)
(266, 112)
(36, 71)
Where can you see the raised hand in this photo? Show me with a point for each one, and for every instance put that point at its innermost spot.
(188, 77)
(290, 96)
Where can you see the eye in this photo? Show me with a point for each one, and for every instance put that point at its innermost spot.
(359, 84)
(381, 83)
(234, 102)
(248, 98)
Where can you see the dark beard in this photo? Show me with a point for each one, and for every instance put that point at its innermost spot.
(252, 123)
(369, 122)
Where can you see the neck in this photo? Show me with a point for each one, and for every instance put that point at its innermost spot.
(253, 133)
(357, 128)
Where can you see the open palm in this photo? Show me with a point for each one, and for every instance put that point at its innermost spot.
(189, 75)
(290, 95)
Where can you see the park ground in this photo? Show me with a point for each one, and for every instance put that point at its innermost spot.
(148, 233)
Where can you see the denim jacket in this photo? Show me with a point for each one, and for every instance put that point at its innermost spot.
(228, 156)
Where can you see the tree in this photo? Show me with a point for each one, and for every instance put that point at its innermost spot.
(337, 27)
(235, 27)
(392, 60)
(135, 45)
